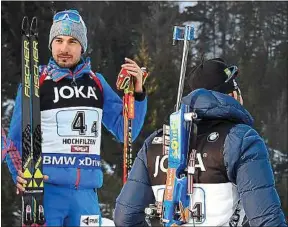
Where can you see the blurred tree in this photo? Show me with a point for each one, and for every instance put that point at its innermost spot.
(250, 34)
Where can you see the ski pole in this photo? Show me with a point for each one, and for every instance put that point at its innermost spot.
(125, 83)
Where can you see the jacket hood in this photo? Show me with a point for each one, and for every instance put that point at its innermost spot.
(215, 105)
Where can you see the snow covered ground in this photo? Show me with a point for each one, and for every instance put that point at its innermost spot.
(107, 222)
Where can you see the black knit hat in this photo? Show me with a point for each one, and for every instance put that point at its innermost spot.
(214, 74)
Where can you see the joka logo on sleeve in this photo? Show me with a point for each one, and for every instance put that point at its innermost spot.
(90, 220)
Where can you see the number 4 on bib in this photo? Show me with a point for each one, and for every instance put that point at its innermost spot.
(94, 128)
(79, 124)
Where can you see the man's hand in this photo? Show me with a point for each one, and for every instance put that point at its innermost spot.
(20, 181)
(134, 70)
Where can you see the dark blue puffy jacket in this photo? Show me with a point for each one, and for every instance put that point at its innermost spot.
(245, 156)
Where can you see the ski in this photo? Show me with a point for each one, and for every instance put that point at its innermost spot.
(32, 197)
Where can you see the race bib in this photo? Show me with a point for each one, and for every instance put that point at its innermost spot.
(210, 204)
(71, 137)
(197, 206)
(197, 203)
(80, 123)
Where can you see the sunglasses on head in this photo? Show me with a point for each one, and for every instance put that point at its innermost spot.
(231, 72)
(68, 15)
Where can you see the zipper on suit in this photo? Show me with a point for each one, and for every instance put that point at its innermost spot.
(74, 81)
(77, 178)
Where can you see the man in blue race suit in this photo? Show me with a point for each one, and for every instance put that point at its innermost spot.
(74, 103)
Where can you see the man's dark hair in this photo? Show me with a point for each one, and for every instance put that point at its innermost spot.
(211, 75)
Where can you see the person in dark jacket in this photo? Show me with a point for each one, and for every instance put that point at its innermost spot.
(233, 175)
